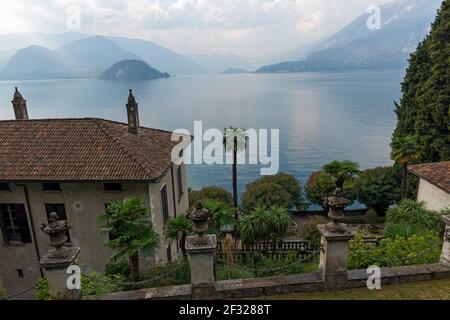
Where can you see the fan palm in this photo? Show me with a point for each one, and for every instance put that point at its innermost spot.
(404, 151)
(341, 171)
(133, 231)
(235, 140)
(178, 229)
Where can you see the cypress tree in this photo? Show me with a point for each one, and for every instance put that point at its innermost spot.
(424, 109)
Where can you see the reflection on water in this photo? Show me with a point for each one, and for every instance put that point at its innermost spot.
(321, 117)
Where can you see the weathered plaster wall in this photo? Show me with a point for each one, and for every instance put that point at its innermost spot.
(436, 198)
(83, 204)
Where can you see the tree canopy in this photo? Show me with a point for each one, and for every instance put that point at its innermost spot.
(424, 108)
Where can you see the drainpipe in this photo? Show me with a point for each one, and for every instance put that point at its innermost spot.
(173, 193)
(33, 231)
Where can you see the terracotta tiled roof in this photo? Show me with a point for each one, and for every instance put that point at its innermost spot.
(81, 150)
(437, 173)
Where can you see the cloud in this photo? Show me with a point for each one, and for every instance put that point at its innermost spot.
(251, 27)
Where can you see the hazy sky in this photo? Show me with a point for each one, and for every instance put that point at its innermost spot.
(244, 27)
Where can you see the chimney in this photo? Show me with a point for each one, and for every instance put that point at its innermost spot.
(19, 106)
(133, 114)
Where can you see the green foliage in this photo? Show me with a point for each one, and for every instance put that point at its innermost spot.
(284, 264)
(231, 272)
(291, 185)
(210, 193)
(341, 171)
(281, 189)
(93, 284)
(396, 251)
(3, 294)
(416, 216)
(170, 274)
(130, 222)
(405, 150)
(424, 108)
(378, 188)
(264, 224)
(118, 268)
(97, 284)
(265, 194)
(222, 214)
(309, 231)
(371, 217)
(321, 185)
(42, 289)
(405, 230)
(177, 226)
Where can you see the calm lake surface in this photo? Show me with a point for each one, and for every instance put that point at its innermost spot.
(321, 117)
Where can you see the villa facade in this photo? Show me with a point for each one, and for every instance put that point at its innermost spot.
(76, 167)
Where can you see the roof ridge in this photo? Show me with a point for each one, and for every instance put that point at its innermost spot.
(83, 119)
(122, 146)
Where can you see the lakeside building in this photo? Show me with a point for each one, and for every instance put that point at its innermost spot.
(76, 167)
(434, 184)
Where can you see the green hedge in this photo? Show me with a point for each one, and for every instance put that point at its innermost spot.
(396, 251)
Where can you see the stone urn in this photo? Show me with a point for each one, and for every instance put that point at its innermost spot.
(336, 204)
(56, 230)
(200, 217)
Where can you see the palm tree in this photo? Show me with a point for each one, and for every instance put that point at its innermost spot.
(178, 229)
(341, 171)
(133, 232)
(235, 140)
(265, 224)
(404, 151)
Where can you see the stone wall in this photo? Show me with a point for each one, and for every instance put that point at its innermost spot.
(269, 286)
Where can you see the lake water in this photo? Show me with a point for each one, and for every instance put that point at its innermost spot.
(321, 117)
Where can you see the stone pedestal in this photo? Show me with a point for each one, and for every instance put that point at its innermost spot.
(333, 255)
(201, 251)
(445, 256)
(55, 264)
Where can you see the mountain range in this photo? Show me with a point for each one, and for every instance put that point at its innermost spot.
(404, 23)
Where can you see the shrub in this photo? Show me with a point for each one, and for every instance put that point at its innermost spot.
(3, 294)
(403, 230)
(96, 283)
(318, 187)
(210, 193)
(416, 215)
(309, 231)
(170, 274)
(265, 224)
(231, 272)
(378, 188)
(321, 185)
(281, 189)
(395, 251)
(265, 194)
(42, 289)
(118, 268)
(371, 217)
(284, 264)
(291, 185)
